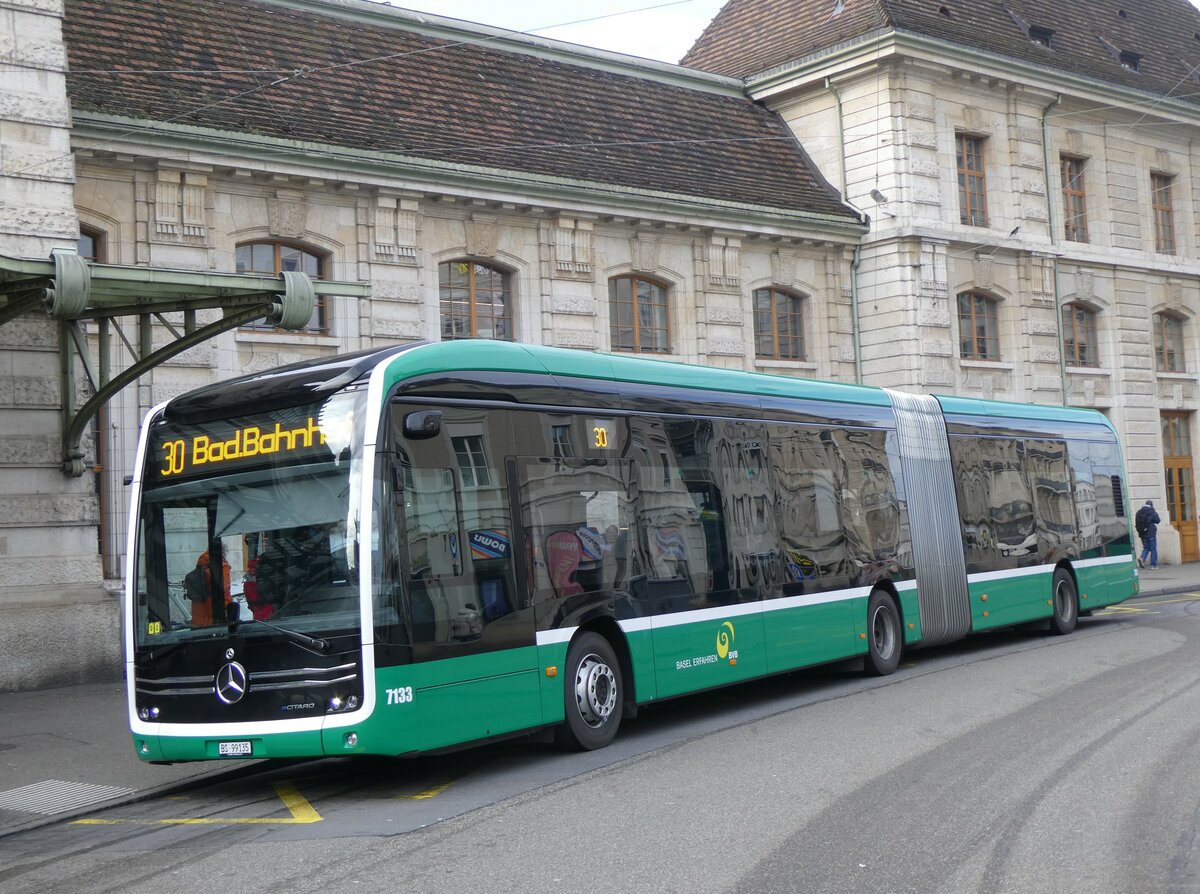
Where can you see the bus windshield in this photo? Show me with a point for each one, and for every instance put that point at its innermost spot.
(250, 519)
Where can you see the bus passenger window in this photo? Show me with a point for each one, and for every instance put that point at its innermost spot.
(577, 515)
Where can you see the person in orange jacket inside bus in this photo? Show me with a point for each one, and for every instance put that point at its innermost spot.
(200, 589)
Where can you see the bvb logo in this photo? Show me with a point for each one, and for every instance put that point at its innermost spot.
(724, 639)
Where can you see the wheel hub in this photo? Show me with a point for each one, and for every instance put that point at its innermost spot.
(1063, 602)
(883, 634)
(595, 690)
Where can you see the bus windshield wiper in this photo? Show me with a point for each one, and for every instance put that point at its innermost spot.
(144, 658)
(312, 643)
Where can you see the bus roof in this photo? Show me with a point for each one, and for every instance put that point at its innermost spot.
(966, 406)
(564, 363)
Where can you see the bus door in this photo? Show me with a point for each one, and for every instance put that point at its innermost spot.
(702, 529)
(475, 662)
(812, 619)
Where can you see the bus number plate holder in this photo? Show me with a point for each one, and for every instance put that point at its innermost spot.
(234, 749)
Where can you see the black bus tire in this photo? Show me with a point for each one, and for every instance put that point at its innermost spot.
(594, 694)
(1065, 603)
(885, 639)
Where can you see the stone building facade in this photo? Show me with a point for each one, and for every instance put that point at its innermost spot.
(1032, 174)
(522, 176)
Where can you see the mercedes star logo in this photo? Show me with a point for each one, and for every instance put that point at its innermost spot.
(231, 683)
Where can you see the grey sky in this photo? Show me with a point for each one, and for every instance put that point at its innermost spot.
(655, 29)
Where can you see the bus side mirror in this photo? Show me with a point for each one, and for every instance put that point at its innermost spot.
(423, 424)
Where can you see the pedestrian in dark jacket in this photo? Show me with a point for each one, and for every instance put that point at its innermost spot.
(1146, 524)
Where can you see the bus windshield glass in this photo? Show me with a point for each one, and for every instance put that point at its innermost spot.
(252, 518)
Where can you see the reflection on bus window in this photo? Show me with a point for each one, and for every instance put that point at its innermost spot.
(458, 532)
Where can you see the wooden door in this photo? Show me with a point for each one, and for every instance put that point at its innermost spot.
(1180, 481)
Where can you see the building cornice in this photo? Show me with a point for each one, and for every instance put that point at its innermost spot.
(873, 48)
(181, 143)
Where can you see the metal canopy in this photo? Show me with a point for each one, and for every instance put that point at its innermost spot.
(70, 289)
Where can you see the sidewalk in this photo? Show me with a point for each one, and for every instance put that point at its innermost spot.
(68, 752)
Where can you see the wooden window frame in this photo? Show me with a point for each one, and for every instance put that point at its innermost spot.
(783, 306)
(972, 180)
(320, 312)
(1164, 212)
(1089, 357)
(1074, 192)
(1168, 344)
(968, 326)
(662, 307)
(475, 291)
(99, 244)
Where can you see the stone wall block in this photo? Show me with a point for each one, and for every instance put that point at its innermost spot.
(730, 316)
(574, 304)
(83, 640)
(48, 509)
(32, 106)
(48, 223)
(35, 392)
(51, 8)
(396, 290)
(727, 346)
(400, 330)
(25, 450)
(576, 338)
(46, 572)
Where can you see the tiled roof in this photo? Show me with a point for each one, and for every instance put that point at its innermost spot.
(426, 97)
(751, 36)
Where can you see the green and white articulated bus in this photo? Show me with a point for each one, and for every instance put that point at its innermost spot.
(414, 548)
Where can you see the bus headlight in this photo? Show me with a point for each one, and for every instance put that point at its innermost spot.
(148, 713)
(337, 704)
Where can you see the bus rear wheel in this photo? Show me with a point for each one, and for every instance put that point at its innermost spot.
(594, 694)
(1065, 602)
(885, 641)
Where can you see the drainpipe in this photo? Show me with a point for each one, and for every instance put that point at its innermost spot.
(854, 313)
(854, 327)
(1058, 324)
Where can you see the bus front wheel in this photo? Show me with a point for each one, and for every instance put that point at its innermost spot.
(885, 640)
(594, 694)
(1065, 604)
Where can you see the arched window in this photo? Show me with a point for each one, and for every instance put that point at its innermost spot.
(476, 301)
(91, 245)
(978, 332)
(274, 258)
(778, 325)
(1079, 335)
(1168, 343)
(638, 312)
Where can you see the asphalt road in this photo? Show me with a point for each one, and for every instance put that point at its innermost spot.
(1016, 762)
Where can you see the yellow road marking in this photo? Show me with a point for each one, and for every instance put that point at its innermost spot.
(301, 812)
(428, 793)
(1192, 598)
(1141, 609)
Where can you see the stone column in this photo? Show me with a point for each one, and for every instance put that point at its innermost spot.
(59, 624)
